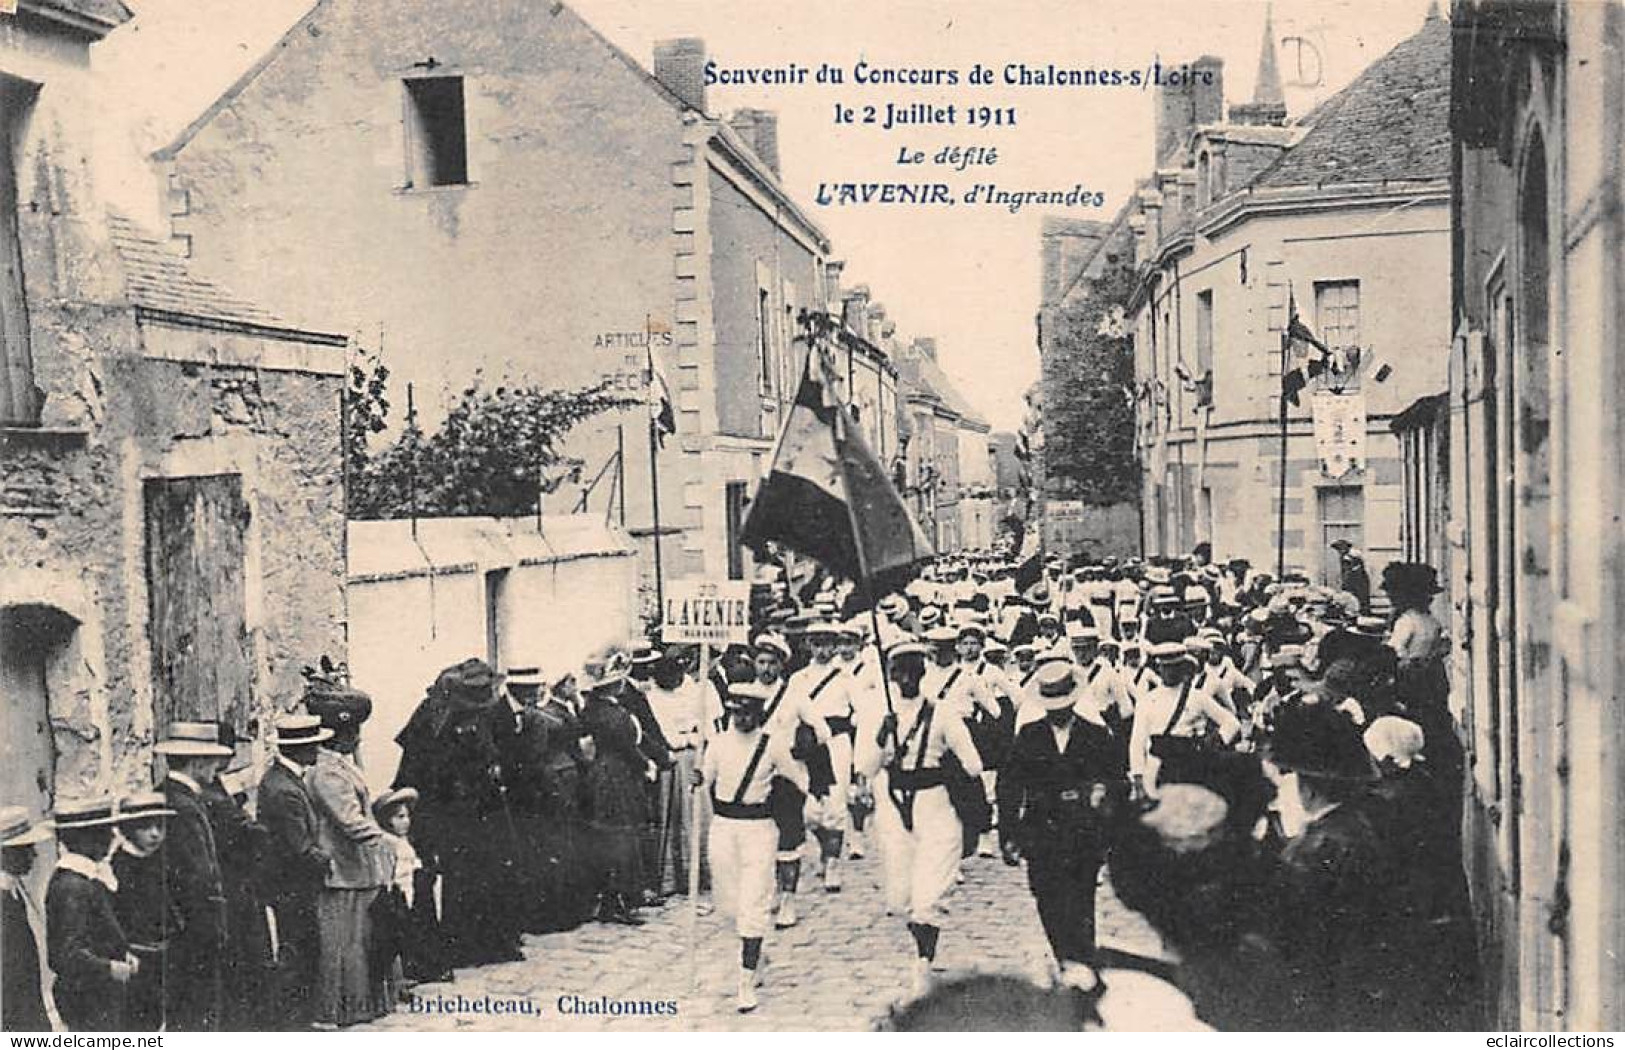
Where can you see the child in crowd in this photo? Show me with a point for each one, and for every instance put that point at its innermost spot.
(143, 905)
(411, 944)
(22, 992)
(86, 944)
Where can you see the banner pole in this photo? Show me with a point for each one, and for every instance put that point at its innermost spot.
(694, 838)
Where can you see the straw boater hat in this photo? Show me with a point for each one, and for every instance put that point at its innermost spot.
(389, 800)
(527, 677)
(1284, 657)
(1055, 685)
(297, 730)
(1166, 652)
(772, 643)
(644, 654)
(908, 649)
(745, 695)
(930, 617)
(1076, 632)
(1024, 647)
(143, 805)
(942, 635)
(971, 629)
(193, 738)
(18, 829)
(893, 605)
(823, 628)
(78, 814)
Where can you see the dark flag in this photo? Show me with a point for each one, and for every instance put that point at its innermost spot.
(827, 496)
(1028, 573)
(1293, 380)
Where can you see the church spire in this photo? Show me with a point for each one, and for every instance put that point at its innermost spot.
(1267, 86)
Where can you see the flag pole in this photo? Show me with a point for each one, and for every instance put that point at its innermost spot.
(654, 465)
(1280, 497)
(694, 803)
(866, 579)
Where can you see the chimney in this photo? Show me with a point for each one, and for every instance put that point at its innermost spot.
(680, 66)
(855, 311)
(1174, 120)
(877, 322)
(927, 346)
(760, 130)
(832, 281)
(1207, 101)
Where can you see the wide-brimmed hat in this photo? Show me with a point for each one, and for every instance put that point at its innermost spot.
(605, 668)
(1199, 644)
(1284, 657)
(18, 828)
(1410, 577)
(193, 738)
(342, 707)
(893, 605)
(1370, 626)
(1024, 647)
(773, 643)
(941, 635)
(77, 814)
(971, 629)
(143, 805)
(930, 617)
(644, 654)
(1055, 685)
(822, 628)
(386, 802)
(299, 730)
(1081, 632)
(1319, 740)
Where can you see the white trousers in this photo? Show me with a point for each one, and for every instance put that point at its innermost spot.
(742, 871)
(831, 813)
(919, 866)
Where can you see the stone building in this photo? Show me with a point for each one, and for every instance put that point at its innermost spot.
(944, 495)
(495, 187)
(1530, 490)
(1344, 215)
(171, 491)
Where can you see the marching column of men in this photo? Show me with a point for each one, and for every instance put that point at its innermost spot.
(1041, 708)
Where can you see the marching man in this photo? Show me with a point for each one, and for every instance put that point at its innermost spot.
(789, 717)
(824, 688)
(920, 834)
(739, 767)
(862, 661)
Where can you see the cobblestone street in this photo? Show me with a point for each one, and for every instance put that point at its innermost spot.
(839, 970)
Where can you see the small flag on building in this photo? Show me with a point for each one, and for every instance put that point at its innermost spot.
(827, 496)
(661, 411)
(1293, 380)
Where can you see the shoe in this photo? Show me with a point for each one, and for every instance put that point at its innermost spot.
(1080, 976)
(787, 913)
(855, 850)
(984, 848)
(921, 982)
(705, 908)
(832, 876)
(747, 990)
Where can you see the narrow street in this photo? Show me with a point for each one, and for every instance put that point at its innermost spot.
(839, 970)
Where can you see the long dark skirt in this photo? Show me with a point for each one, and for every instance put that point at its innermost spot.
(347, 991)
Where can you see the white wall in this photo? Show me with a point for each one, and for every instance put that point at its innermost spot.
(567, 591)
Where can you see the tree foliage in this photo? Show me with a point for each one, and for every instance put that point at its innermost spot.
(1087, 411)
(494, 454)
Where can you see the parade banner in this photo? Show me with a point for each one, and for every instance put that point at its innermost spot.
(712, 611)
(1339, 431)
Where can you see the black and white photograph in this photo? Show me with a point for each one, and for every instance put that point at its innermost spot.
(662, 516)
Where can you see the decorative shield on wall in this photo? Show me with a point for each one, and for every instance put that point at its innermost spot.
(1339, 432)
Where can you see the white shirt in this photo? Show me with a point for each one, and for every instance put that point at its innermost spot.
(728, 756)
(833, 689)
(1416, 637)
(1154, 716)
(947, 734)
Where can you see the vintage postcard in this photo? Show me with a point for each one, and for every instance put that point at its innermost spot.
(770, 515)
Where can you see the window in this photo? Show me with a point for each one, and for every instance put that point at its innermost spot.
(1337, 312)
(19, 398)
(764, 341)
(1204, 334)
(436, 132)
(1204, 192)
(735, 503)
(1342, 517)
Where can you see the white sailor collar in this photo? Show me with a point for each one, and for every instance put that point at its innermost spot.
(80, 864)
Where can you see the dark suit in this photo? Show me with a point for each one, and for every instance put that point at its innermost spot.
(194, 966)
(295, 869)
(567, 885)
(85, 939)
(1045, 809)
(149, 919)
(22, 1006)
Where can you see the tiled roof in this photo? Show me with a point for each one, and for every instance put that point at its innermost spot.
(928, 378)
(155, 278)
(104, 13)
(1391, 124)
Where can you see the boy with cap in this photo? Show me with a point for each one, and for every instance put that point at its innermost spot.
(920, 833)
(22, 986)
(88, 950)
(142, 903)
(740, 766)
